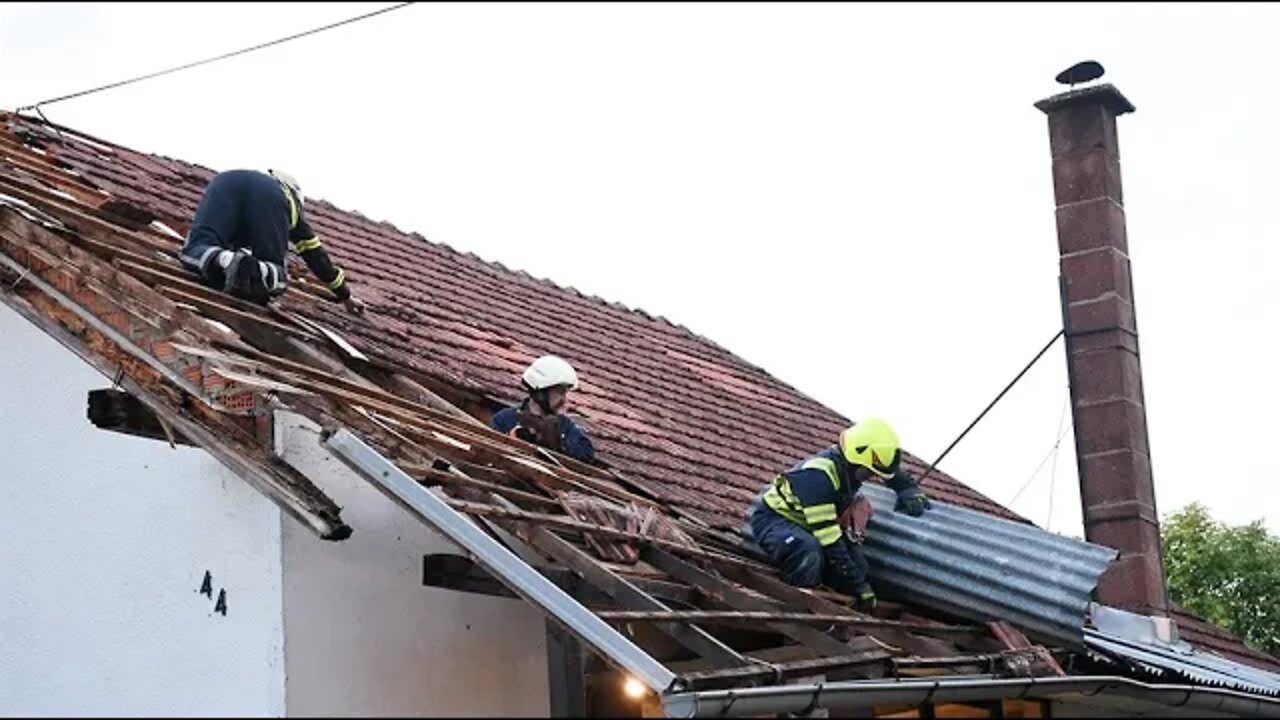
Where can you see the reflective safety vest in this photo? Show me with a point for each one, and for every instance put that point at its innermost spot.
(823, 519)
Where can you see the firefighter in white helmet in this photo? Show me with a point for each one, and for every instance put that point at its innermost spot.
(539, 419)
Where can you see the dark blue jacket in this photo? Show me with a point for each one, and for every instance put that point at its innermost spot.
(573, 440)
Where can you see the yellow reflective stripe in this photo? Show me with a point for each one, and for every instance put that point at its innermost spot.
(293, 207)
(827, 466)
(304, 245)
(777, 505)
(337, 281)
(781, 500)
(818, 514)
(828, 535)
(789, 495)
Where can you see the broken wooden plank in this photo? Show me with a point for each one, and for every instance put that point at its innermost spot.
(613, 585)
(798, 597)
(775, 616)
(455, 572)
(481, 510)
(777, 673)
(1013, 639)
(719, 589)
(627, 594)
(118, 411)
(430, 477)
(403, 386)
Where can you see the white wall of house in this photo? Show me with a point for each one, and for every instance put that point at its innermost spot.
(362, 634)
(104, 541)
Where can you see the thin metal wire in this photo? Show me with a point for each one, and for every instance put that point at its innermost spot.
(990, 405)
(206, 61)
(1052, 451)
(61, 140)
(1053, 468)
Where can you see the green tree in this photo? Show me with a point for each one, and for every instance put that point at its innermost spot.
(1229, 575)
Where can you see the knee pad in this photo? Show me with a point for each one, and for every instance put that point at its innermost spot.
(806, 568)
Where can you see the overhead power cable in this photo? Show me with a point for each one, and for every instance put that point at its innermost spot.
(990, 405)
(206, 61)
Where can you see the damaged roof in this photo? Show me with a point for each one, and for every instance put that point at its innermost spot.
(459, 332)
(653, 394)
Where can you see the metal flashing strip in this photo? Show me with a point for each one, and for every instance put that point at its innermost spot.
(505, 565)
(1184, 662)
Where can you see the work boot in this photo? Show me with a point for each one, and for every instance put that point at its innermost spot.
(244, 279)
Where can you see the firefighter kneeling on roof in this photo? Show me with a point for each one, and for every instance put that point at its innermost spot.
(241, 234)
(796, 518)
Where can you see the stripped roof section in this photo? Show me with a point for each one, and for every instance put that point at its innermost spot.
(480, 342)
(218, 370)
(654, 395)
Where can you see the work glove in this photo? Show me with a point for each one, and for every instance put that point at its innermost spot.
(521, 432)
(354, 305)
(913, 502)
(541, 430)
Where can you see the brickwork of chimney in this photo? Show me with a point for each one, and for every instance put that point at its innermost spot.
(1109, 415)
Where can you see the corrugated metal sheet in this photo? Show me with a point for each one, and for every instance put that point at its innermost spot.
(983, 568)
(1181, 662)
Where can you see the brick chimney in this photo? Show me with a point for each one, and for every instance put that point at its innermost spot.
(1105, 375)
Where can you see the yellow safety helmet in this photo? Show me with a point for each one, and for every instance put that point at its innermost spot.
(873, 445)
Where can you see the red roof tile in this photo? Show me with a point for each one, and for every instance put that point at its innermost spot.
(655, 397)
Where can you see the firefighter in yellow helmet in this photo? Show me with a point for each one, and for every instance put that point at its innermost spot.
(795, 519)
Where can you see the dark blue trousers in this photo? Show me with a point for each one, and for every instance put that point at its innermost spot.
(240, 209)
(796, 552)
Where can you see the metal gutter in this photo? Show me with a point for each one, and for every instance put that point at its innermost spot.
(505, 565)
(982, 568)
(841, 696)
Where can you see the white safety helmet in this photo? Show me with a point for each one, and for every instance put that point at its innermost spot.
(549, 371)
(289, 180)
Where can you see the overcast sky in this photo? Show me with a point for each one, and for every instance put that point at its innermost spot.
(855, 197)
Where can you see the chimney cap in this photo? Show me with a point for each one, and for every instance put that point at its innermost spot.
(1104, 94)
(1081, 72)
